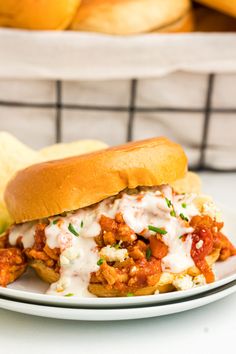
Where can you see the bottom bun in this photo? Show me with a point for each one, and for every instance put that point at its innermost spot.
(45, 273)
(164, 285)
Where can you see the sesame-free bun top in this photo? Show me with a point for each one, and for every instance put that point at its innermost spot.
(51, 188)
(121, 17)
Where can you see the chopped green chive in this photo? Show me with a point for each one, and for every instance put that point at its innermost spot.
(168, 202)
(148, 253)
(181, 236)
(184, 205)
(173, 213)
(157, 230)
(116, 245)
(100, 261)
(129, 294)
(69, 295)
(55, 221)
(72, 230)
(183, 217)
(82, 224)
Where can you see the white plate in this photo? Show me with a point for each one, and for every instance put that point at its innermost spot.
(118, 314)
(30, 288)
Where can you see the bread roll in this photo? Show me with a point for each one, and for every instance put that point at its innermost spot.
(226, 6)
(208, 20)
(121, 17)
(37, 15)
(185, 24)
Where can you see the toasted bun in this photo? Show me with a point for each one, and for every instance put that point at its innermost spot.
(38, 15)
(50, 188)
(228, 7)
(128, 16)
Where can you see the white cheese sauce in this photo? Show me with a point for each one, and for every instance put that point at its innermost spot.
(77, 262)
(79, 254)
(24, 232)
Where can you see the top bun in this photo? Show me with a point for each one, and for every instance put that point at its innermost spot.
(37, 15)
(128, 16)
(51, 188)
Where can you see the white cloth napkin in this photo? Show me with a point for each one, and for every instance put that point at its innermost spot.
(96, 70)
(84, 56)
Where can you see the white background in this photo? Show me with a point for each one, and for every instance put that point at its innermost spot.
(210, 329)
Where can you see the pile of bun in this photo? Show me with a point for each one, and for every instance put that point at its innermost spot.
(120, 17)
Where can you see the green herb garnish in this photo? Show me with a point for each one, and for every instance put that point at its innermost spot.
(148, 253)
(100, 261)
(173, 213)
(181, 236)
(116, 245)
(129, 294)
(82, 224)
(183, 217)
(168, 202)
(72, 230)
(157, 230)
(69, 295)
(184, 205)
(55, 221)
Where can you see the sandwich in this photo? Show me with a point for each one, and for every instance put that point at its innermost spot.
(126, 17)
(110, 223)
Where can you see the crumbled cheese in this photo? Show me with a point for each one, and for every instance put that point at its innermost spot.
(64, 260)
(166, 278)
(210, 209)
(71, 253)
(199, 280)
(113, 254)
(133, 270)
(62, 284)
(183, 282)
(199, 244)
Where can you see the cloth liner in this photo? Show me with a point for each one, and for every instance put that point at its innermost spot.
(87, 56)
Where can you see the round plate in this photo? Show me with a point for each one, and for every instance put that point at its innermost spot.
(30, 288)
(119, 313)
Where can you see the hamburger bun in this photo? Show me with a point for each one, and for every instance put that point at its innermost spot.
(164, 284)
(208, 20)
(228, 7)
(51, 188)
(125, 17)
(37, 15)
(184, 24)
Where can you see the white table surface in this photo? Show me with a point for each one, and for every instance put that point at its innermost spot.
(210, 329)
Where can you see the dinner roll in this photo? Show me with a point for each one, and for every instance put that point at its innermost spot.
(226, 6)
(122, 17)
(37, 15)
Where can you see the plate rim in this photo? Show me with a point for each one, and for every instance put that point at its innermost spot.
(90, 314)
(111, 302)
